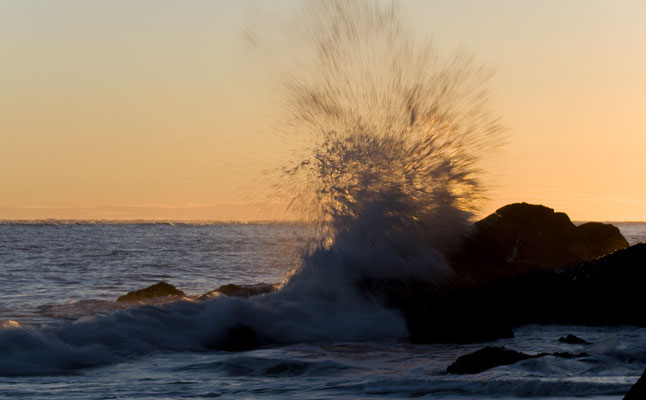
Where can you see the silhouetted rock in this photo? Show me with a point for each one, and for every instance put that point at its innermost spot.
(492, 356)
(524, 237)
(606, 291)
(160, 289)
(600, 239)
(638, 390)
(523, 264)
(236, 338)
(572, 339)
(433, 317)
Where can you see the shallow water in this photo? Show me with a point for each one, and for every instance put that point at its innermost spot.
(69, 275)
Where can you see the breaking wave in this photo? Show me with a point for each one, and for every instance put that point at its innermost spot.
(389, 139)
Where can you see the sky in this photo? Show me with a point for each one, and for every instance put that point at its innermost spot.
(156, 110)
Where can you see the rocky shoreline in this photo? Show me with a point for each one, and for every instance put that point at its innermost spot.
(522, 264)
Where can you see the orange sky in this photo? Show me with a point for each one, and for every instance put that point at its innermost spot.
(154, 109)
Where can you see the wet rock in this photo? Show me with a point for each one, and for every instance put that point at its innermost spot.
(572, 339)
(523, 265)
(246, 290)
(492, 356)
(638, 390)
(160, 289)
(433, 317)
(606, 291)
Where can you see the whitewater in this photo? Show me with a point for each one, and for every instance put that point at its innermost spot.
(60, 282)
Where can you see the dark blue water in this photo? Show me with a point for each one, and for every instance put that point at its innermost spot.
(63, 329)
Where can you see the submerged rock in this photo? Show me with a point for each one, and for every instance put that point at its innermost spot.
(492, 356)
(638, 390)
(572, 339)
(160, 289)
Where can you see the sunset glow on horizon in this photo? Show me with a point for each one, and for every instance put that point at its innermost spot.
(157, 110)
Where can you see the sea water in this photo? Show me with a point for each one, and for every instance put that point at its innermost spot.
(386, 149)
(65, 336)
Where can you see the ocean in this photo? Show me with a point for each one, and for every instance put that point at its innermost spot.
(64, 336)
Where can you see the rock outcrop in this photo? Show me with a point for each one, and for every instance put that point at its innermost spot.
(431, 317)
(524, 237)
(525, 264)
(606, 291)
(160, 289)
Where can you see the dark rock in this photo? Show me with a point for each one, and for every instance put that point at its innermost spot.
(246, 290)
(638, 390)
(492, 356)
(601, 239)
(484, 359)
(160, 289)
(523, 264)
(433, 317)
(236, 338)
(572, 339)
(606, 291)
(524, 237)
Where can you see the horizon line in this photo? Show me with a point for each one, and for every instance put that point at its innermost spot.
(90, 221)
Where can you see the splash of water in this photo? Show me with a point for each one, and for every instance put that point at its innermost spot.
(389, 144)
(391, 138)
